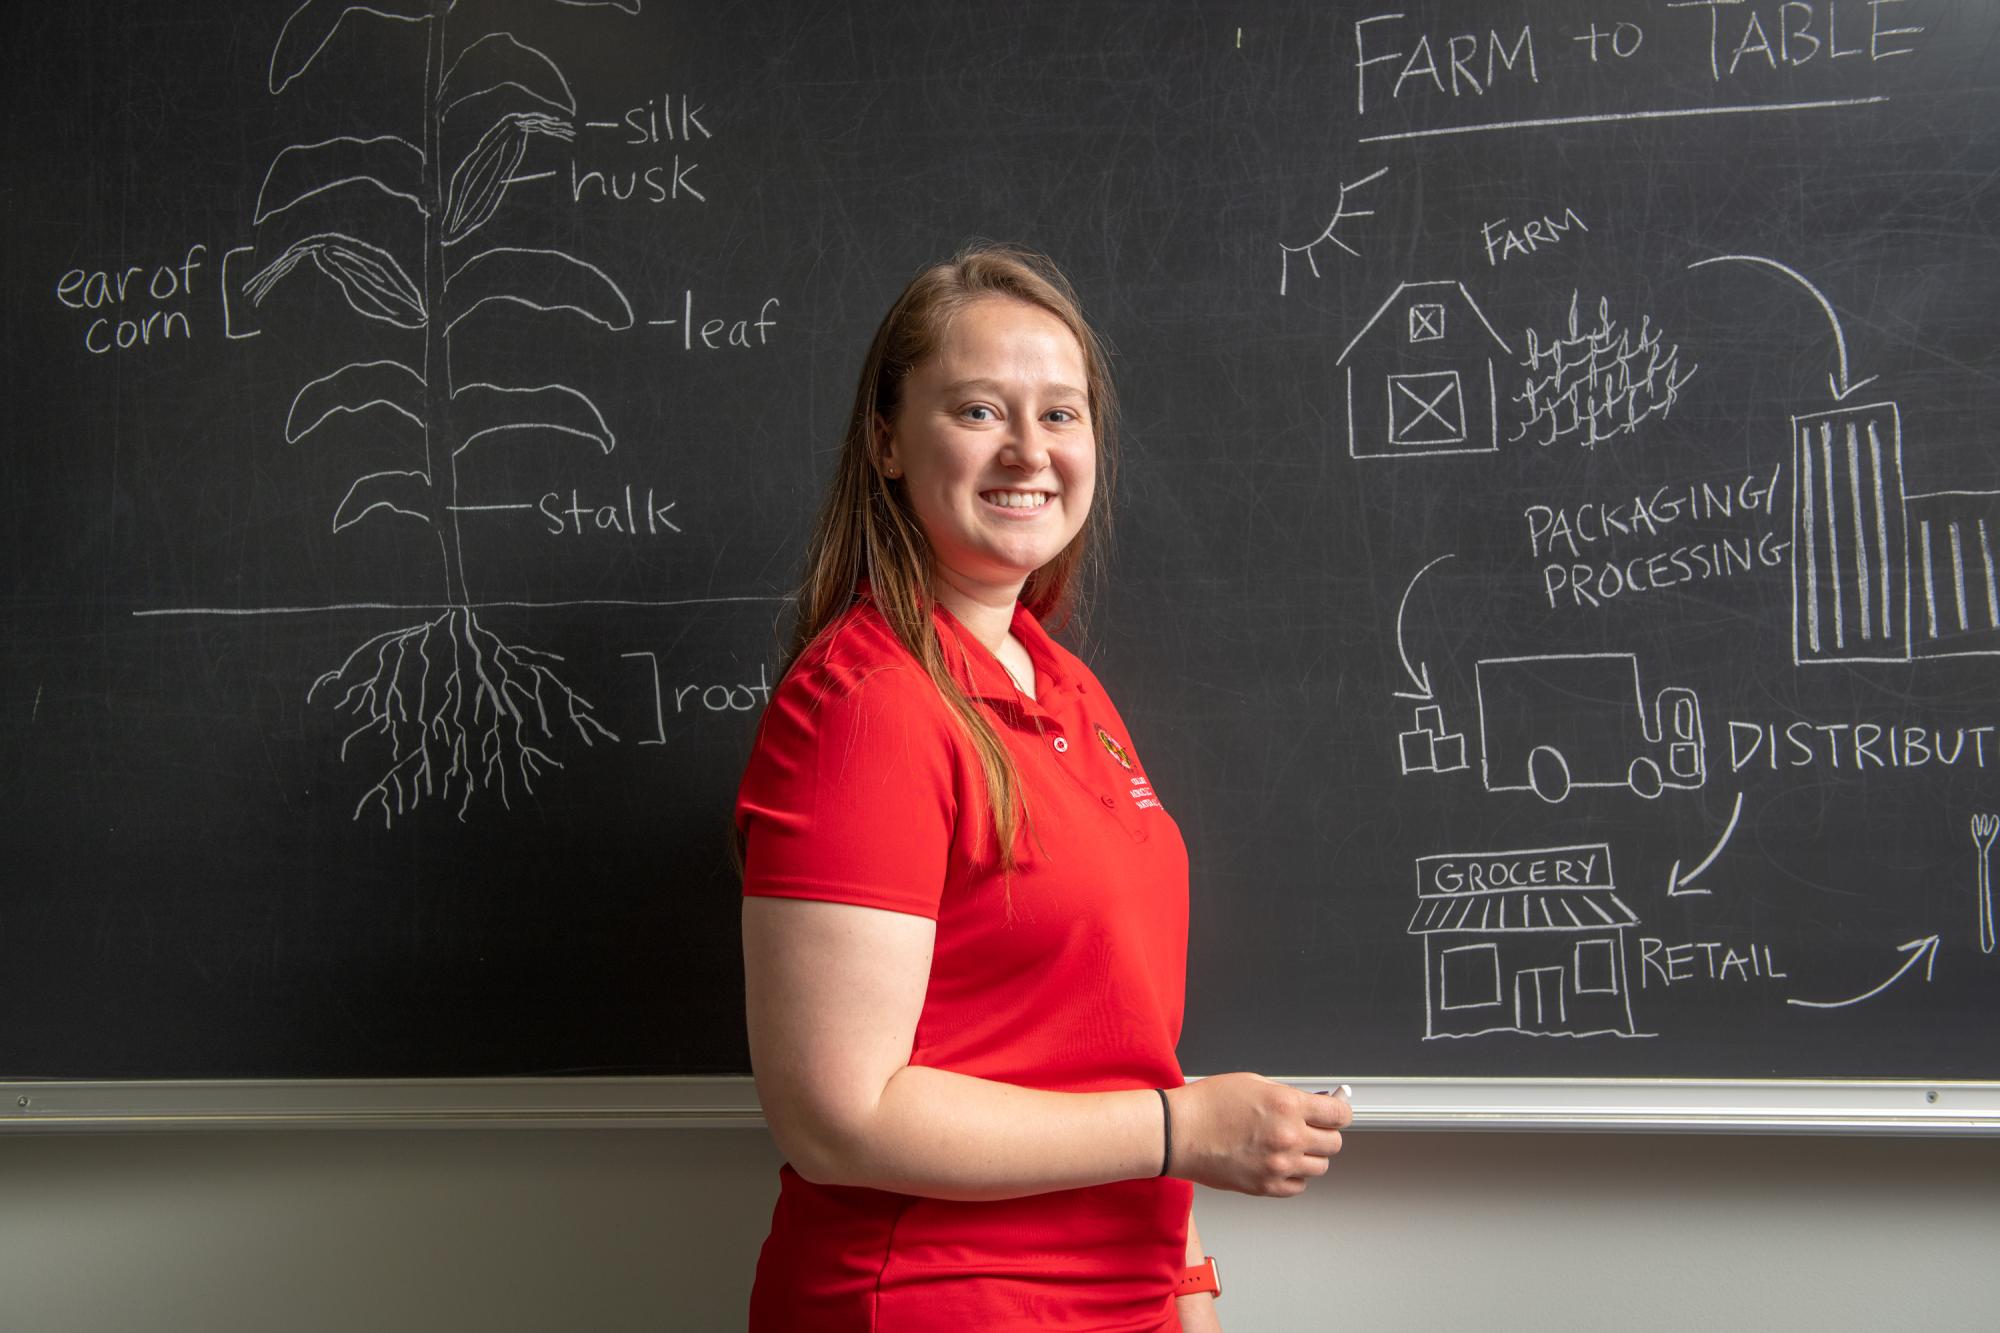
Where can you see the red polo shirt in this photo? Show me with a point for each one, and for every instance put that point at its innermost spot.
(863, 789)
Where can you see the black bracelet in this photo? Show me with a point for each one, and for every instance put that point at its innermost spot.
(1166, 1132)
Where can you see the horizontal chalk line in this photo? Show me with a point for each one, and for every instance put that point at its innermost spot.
(1743, 109)
(437, 606)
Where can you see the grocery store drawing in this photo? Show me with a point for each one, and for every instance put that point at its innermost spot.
(1529, 941)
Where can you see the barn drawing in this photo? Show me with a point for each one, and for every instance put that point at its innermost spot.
(1419, 377)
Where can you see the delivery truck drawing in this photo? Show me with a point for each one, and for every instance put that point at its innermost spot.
(1554, 723)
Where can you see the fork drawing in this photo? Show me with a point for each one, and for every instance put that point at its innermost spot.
(1984, 829)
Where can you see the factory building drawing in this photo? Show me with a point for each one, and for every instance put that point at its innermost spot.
(1880, 574)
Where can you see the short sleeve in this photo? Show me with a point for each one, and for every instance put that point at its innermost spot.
(850, 793)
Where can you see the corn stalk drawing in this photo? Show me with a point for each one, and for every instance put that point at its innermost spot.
(459, 710)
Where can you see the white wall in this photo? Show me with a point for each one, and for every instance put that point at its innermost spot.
(603, 1231)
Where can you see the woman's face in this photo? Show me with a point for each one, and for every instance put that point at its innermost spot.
(994, 444)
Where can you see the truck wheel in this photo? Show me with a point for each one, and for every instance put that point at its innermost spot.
(1548, 773)
(1645, 778)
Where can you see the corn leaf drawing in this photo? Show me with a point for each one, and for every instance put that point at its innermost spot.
(480, 411)
(391, 164)
(356, 387)
(480, 181)
(541, 280)
(405, 493)
(497, 61)
(369, 277)
(313, 24)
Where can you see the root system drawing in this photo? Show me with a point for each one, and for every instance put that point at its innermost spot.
(461, 712)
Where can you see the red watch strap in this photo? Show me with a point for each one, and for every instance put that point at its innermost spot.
(1204, 1276)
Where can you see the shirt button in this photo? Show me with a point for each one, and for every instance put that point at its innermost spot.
(1062, 745)
(1109, 804)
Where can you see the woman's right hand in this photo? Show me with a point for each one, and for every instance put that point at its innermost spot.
(1247, 1133)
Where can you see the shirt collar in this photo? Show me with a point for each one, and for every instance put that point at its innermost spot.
(979, 673)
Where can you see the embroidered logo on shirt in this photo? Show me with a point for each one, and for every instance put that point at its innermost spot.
(1114, 749)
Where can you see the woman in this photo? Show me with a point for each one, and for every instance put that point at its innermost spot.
(965, 914)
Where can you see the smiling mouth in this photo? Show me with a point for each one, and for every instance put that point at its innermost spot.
(1025, 500)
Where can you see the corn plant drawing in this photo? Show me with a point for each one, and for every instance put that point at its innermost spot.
(459, 710)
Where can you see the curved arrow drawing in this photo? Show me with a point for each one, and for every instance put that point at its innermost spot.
(1420, 676)
(1924, 949)
(1677, 883)
(1845, 386)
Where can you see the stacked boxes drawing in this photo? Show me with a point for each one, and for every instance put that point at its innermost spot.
(1430, 747)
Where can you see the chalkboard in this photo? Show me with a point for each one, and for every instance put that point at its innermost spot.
(1555, 580)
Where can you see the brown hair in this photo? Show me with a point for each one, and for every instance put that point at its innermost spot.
(867, 530)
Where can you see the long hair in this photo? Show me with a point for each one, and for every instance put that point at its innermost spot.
(866, 528)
